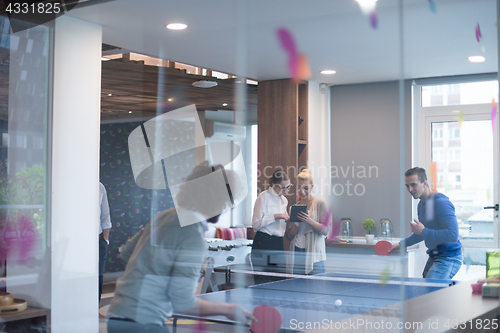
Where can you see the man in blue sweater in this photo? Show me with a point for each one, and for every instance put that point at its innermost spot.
(436, 225)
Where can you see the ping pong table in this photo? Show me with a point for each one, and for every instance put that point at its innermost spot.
(311, 299)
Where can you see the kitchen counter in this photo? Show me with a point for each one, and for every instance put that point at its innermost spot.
(350, 257)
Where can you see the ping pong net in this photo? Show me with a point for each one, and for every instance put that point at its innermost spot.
(351, 279)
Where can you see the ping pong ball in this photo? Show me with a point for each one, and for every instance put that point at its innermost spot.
(338, 302)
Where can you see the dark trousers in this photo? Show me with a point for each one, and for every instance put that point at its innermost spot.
(268, 256)
(103, 251)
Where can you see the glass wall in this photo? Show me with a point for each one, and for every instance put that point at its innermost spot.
(25, 109)
(198, 201)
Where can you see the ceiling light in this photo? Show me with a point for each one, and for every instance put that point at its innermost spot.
(224, 104)
(130, 112)
(367, 6)
(170, 99)
(476, 59)
(177, 26)
(204, 84)
(328, 71)
(110, 94)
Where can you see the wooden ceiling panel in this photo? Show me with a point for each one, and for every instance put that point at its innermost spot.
(136, 87)
(147, 89)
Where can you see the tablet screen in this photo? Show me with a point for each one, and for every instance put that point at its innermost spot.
(295, 211)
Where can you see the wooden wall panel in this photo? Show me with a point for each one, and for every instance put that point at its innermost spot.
(277, 114)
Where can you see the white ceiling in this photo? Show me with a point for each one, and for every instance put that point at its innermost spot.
(239, 37)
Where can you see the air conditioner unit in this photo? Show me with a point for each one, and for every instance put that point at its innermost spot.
(223, 131)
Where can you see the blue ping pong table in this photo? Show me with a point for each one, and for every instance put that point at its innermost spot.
(312, 299)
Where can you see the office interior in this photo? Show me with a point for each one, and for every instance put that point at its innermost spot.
(404, 92)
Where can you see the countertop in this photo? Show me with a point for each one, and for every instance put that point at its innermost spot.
(360, 243)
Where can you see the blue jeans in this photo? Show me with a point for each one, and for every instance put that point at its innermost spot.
(103, 251)
(439, 267)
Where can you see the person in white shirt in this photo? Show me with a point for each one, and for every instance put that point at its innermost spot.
(104, 226)
(269, 222)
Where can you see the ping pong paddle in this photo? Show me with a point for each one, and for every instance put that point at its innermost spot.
(382, 248)
(269, 320)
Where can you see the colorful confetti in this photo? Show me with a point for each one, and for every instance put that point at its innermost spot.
(493, 113)
(429, 210)
(434, 176)
(304, 71)
(460, 119)
(385, 276)
(478, 33)
(374, 19)
(432, 6)
(288, 44)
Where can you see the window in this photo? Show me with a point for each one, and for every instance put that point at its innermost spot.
(459, 94)
(458, 178)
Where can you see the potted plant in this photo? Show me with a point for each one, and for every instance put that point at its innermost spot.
(369, 225)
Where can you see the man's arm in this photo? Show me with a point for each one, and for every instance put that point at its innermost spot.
(231, 311)
(411, 240)
(446, 217)
(129, 247)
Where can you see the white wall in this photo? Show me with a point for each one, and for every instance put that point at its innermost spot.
(75, 175)
(319, 140)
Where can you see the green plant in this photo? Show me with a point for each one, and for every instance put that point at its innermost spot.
(24, 188)
(369, 225)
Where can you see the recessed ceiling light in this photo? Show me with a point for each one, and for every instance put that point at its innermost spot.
(176, 26)
(170, 99)
(328, 71)
(130, 112)
(110, 94)
(224, 104)
(476, 59)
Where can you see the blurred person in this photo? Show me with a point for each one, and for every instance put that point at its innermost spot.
(104, 226)
(163, 266)
(307, 252)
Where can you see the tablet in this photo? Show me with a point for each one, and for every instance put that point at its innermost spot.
(296, 209)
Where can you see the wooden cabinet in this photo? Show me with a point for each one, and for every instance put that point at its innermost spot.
(282, 119)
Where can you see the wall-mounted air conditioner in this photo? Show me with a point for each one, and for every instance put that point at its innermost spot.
(224, 131)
